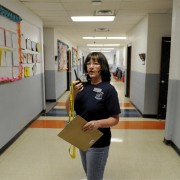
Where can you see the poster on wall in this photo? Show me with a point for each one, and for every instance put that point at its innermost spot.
(62, 55)
(74, 56)
(2, 39)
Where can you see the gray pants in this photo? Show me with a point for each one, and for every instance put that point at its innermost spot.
(94, 162)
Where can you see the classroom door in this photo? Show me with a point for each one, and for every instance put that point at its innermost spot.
(164, 77)
(69, 69)
(128, 72)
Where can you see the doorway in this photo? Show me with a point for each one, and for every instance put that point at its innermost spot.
(69, 69)
(128, 72)
(164, 77)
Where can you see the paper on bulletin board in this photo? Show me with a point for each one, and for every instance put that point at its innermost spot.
(3, 58)
(23, 42)
(14, 40)
(24, 58)
(15, 58)
(2, 40)
(8, 58)
(8, 37)
(29, 58)
(1, 50)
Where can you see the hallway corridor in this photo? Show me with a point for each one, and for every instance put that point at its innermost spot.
(137, 151)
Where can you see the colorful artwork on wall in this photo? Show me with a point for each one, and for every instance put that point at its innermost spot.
(62, 55)
(74, 56)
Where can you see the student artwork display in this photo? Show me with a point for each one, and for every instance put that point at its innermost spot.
(30, 58)
(10, 53)
(74, 56)
(62, 55)
(19, 55)
(2, 38)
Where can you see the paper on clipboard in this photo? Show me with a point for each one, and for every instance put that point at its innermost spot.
(73, 134)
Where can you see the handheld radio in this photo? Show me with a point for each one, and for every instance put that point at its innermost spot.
(77, 78)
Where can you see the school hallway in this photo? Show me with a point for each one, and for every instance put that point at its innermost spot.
(137, 151)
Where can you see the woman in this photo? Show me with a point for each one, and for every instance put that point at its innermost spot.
(96, 101)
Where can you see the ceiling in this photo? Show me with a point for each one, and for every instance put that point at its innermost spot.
(57, 13)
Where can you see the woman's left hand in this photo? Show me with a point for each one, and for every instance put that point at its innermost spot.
(90, 126)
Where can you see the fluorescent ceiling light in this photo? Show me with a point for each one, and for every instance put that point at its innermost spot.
(92, 18)
(102, 51)
(94, 44)
(111, 44)
(96, 2)
(95, 49)
(103, 44)
(116, 37)
(94, 37)
(104, 37)
(101, 48)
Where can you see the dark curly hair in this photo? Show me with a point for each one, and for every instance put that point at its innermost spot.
(101, 59)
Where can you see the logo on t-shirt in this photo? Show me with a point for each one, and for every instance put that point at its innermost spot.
(99, 95)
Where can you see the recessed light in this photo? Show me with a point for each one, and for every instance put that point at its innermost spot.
(103, 44)
(111, 44)
(92, 18)
(94, 37)
(101, 48)
(94, 44)
(96, 2)
(102, 51)
(116, 38)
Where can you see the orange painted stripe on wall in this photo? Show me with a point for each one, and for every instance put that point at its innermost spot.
(121, 125)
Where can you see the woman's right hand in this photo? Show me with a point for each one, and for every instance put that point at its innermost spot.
(78, 86)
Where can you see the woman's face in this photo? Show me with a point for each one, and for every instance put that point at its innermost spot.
(93, 68)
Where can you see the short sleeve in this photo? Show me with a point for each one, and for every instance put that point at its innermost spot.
(112, 102)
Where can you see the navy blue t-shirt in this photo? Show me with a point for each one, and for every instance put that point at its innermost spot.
(97, 102)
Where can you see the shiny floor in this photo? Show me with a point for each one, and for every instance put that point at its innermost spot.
(137, 151)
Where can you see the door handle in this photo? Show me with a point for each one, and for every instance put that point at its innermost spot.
(162, 81)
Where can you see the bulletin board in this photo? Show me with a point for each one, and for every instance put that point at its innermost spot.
(10, 48)
(31, 52)
(74, 56)
(62, 55)
(20, 55)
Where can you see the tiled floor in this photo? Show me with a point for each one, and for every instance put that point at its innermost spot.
(137, 151)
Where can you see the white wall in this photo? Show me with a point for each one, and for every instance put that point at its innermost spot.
(138, 38)
(23, 100)
(49, 47)
(159, 25)
(56, 81)
(146, 38)
(172, 129)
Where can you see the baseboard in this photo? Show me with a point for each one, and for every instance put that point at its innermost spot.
(153, 116)
(10, 142)
(51, 100)
(55, 100)
(171, 143)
